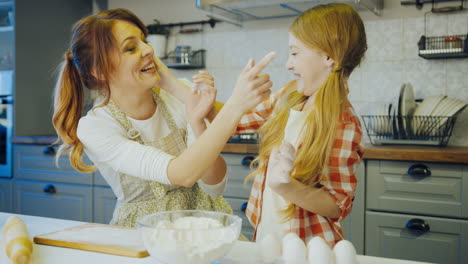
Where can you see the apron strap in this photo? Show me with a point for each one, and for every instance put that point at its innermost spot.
(132, 133)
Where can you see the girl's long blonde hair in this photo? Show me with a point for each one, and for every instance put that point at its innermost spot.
(338, 31)
(88, 63)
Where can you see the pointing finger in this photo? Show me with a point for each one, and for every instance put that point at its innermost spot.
(248, 65)
(262, 64)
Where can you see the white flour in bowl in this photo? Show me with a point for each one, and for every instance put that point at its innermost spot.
(196, 240)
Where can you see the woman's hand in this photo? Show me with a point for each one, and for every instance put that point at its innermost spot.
(280, 164)
(166, 76)
(250, 88)
(170, 83)
(201, 100)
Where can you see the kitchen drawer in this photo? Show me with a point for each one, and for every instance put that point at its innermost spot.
(390, 187)
(387, 235)
(37, 162)
(55, 200)
(238, 209)
(5, 195)
(104, 204)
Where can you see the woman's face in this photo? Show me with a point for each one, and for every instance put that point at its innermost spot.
(135, 67)
(310, 67)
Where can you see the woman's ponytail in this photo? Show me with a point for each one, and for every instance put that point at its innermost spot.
(68, 105)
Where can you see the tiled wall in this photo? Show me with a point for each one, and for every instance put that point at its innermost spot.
(391, 59)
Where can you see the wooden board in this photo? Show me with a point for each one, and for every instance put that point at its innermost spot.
(101, 238)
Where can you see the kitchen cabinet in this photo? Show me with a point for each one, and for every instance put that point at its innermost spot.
(388, 235)
(353, 224)
(413, 208)
(37, 163)
(56, 200)
(43, 189)
(5, 195)
(237, 193)
(104, 204)
(104, 200)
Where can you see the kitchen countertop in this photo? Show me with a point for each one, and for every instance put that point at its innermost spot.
(243, 252)
(385, 152)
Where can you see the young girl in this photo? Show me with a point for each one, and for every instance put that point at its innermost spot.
(311, 143)
(140, 137)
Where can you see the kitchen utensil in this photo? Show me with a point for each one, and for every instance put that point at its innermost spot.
(382, 124)
(189, 236)
(408, 105)
(98, 238)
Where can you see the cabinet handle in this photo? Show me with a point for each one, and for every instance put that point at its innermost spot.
(50, 189)
(418, 225)
(49, 150)
(243, 207)
(247, 161)
(419, 170)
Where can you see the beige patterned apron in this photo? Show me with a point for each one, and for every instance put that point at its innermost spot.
(142, 197)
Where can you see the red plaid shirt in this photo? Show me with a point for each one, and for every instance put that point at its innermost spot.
(346, 154)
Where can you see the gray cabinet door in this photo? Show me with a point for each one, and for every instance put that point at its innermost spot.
(104, 204)
(55, 200)
(5, 195)
(237, 208)
(390, 187)
(237, 172)
(388, 235)
(353, 224)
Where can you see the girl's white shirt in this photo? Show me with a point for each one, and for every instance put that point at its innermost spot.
(109, 148)
(271, 222)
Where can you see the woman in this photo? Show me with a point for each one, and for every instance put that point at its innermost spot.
(137, 135)
(311, 143)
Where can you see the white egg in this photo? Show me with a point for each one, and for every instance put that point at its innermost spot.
(319, 251)
(345, 253)
(270, 249)
(294, 249)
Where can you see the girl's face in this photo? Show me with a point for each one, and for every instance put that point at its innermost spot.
(310, 67)
(135, 67)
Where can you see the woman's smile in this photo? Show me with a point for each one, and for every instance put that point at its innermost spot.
(149, 68)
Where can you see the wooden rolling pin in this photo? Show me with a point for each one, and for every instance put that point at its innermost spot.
(18, 245)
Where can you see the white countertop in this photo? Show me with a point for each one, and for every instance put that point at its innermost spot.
(243, 252)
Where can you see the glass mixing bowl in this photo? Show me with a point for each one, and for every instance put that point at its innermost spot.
(189, 236)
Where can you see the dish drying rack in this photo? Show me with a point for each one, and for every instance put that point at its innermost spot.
(442, 47)
(409, 130)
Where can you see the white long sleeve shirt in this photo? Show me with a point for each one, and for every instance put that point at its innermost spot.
(108, 146)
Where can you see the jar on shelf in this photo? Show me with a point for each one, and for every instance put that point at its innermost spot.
(453, 42)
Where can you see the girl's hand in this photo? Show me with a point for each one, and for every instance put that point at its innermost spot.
(280, 164)
(251, 89)
(201, 100)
